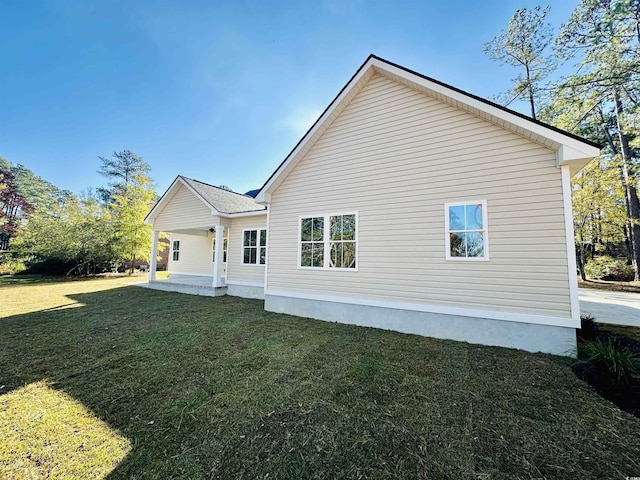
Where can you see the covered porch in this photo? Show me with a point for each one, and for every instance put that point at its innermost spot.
(191, 284)
(192, 264)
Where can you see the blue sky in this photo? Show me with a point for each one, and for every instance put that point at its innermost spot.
(218, 91)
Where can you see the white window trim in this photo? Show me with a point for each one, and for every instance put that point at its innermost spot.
(485, 231)
(325, 239)
(172, 250)
(257, 264)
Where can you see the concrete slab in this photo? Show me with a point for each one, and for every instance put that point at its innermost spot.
(617, 308)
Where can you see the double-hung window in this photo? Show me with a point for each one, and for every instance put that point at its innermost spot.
(329, 242)
(175, 250)
(466, 231)
(254, 247)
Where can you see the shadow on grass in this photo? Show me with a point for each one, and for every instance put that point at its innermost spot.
(217, 388)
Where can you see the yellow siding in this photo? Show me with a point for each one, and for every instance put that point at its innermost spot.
(195, 254)
(184, 210)
(236, 270)
(396, 156)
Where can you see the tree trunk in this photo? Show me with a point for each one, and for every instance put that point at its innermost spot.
(530, 90)
(631, 197)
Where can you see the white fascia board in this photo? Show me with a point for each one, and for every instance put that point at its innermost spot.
(264, 196)
(163, 199)
(253, 213)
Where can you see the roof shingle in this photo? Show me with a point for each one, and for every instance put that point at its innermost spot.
(224, 201)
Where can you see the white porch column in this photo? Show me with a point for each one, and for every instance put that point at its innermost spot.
(217, 265)
(154, 256)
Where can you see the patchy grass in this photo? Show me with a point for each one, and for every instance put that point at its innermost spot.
(45, 433)
(217, 388)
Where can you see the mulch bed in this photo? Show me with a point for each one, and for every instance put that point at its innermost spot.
(626, 397)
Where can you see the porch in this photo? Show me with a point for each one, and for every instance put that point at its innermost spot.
(190, 284)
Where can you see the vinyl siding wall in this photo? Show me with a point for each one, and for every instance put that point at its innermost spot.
(396, 156)
(236, 270)
(195, 254)
(184, 210)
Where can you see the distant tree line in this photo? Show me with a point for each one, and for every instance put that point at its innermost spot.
(46, 229)
(600, 101)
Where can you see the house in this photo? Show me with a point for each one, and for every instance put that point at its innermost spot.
(409, 205)
(205, 223)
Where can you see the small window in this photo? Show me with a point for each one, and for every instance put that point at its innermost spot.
(175, 250)
(328, 242)
(466, 231)
(224, 250)
(254, 247)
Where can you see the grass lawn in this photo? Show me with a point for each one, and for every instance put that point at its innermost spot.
(102, 379)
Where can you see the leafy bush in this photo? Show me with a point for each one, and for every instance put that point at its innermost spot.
(10, 265)
(608, 268)
(619, 365)
(588, 327)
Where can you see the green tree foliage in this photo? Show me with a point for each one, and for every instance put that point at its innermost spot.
(602, 97)
(130, 207)
(39, 192)
(123, 169)
(598, 209)
(524, 45)
(79, 233)
(130, 196)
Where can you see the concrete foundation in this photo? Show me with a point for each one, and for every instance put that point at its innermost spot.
(524, 336)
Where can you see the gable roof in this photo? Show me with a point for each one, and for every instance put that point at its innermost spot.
(570, 149)
(224, 201)
(221, 201)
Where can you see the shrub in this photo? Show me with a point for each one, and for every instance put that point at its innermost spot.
(608, 268)
(10, 265)
(588, 327)
(619, 365)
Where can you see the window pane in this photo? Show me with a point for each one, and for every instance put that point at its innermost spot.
(349, 255)
(254, 237)
(263, 238)
(254, 255)
(318, 229)
(305, 229)
(175, 256)
(224, 250)
(247, 238)
(336, 228)
(318, 255)
(475, 244)
(348, 227)
(473, 215)
(263, 256)
(176, 244)
(305, 255)
(213, 248)
(457, 244)
(335, 260)
(456, 217)
(246, 258)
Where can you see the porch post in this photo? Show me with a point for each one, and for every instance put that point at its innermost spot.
(154, 255)
(217, 265)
